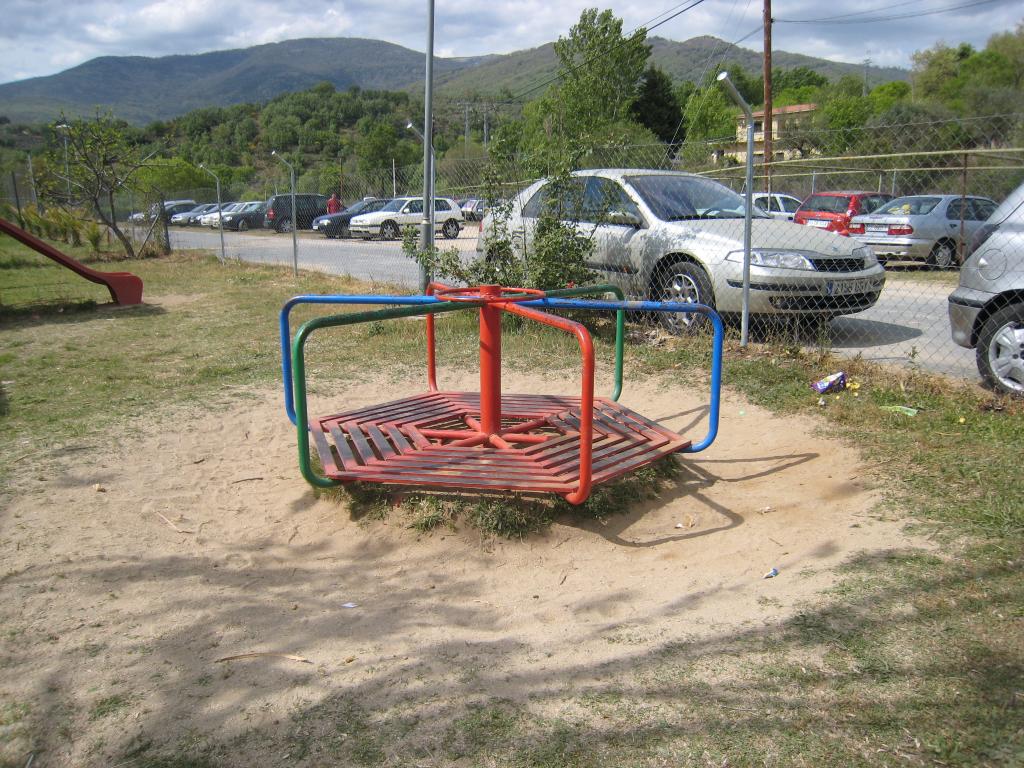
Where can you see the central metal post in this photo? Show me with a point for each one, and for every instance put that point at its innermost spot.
(427, 225)
(490, 362)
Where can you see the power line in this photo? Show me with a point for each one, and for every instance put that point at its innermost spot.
(844, 19)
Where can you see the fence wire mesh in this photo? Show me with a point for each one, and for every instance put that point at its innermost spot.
(857, 245)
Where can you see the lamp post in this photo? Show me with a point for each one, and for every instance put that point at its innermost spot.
(723, 78)
(64, 128)
(295, 221)
(220, 215)
(427, 232)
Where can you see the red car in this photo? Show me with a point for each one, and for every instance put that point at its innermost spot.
(832, 211)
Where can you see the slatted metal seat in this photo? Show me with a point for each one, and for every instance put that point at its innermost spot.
(434, 440)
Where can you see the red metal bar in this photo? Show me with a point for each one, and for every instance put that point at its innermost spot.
(431, 341)
(490, 360)
(586, 396)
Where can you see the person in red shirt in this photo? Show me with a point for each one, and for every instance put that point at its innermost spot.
(333, 205)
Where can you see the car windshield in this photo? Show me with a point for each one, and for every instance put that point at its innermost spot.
(828, 203)
(394, 205)
(359, 207)
(678, 198)
(910, 206)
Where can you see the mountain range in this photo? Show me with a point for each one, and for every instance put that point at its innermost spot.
(141, 89)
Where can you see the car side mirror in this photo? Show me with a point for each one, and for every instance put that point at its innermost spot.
(624, 219)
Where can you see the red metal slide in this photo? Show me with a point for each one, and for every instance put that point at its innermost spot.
(125, 288)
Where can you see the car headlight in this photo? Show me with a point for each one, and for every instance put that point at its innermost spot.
(761, 257)
(229, 218)
(867, 253)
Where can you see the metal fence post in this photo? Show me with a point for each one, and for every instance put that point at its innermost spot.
(723, 78)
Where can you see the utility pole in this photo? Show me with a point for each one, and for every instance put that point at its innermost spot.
(466, 105)
(487, 126)
(767, 125)
(864, 89)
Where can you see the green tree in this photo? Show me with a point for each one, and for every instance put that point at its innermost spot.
(101, 164)
(656, 106)
(885, 96)
(797, 77)
(709, 114)
(600, 70)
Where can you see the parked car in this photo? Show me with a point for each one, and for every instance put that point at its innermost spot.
(986, 311)
(833, 210)
(190, 217)
(922, 227)
(388, 222)
(668, 235)
(776, 204)
(278, 215)
(171, 207)
(210, 219)
(337, 224)
(474, 210)
(245, 216)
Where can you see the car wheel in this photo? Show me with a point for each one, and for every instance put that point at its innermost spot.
(687, 282)
(284, 225)
(1000, 351)
(943, 255)
(389, 231)
(450, 229)
(243, 225)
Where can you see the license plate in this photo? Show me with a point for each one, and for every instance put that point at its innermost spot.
(877, 228)
(846, 287)
(818, 222)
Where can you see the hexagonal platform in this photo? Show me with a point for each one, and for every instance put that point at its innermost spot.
(434, 440)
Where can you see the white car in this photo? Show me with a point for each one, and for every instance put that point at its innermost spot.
(776, 205)
(667, 235)
(402, 212)
(210, 219)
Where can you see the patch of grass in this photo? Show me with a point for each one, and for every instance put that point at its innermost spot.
(108, 706)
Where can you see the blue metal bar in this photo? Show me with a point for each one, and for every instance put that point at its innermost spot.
(286, 357)
(663, 306)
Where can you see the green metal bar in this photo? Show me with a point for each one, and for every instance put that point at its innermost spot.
(299, 368)
(620, 322)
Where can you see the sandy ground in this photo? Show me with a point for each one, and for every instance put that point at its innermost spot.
(127, 573)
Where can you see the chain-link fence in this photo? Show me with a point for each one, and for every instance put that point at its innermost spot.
(857, 245)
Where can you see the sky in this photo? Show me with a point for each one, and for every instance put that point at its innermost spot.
(42, 37)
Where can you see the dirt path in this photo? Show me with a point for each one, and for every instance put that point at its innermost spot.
(126, 574)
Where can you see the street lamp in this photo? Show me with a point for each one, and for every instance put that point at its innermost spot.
(427, 224)
(64, 128)
(295, 220)
(723, 78)
(220, 215)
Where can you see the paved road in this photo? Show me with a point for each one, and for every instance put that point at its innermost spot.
(908, 325)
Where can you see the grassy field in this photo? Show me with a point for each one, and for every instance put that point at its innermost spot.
(914, 659)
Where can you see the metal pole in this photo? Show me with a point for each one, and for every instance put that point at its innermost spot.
(427, 228)
(767, 76)
(394, 179)
(295, 221)
(723, 78)
(295, 228)
(32, 181)
(963, 204)
(220, 214)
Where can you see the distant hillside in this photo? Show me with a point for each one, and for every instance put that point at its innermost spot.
(140, 89)
(523, 70)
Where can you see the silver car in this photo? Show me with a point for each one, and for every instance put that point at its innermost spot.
(678, 236)
(776, 205)
(927, 228)
(986, 311)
